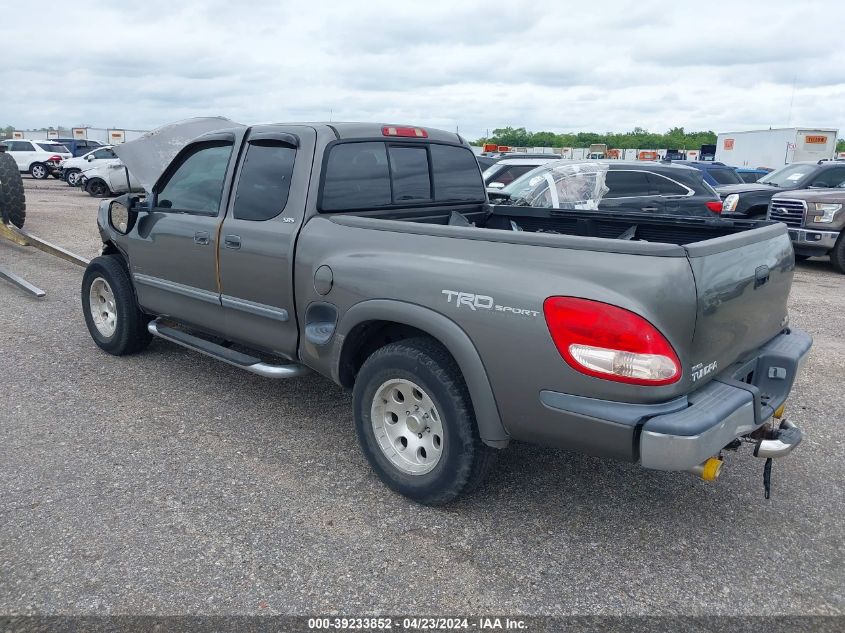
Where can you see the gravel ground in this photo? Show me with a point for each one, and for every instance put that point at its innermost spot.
(167, 483)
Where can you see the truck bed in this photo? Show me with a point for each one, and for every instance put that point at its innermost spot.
(636, 228)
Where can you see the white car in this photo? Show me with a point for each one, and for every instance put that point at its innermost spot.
(38, 157)
(499, 175)
(107, 178)
(72, 167)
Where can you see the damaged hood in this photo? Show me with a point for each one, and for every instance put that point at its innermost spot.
(148, 157)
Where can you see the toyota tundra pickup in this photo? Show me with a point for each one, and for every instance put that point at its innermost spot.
(370, 254)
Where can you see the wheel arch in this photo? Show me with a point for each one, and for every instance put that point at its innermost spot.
(369, 325)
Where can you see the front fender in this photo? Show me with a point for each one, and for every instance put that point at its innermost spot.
(450, 334)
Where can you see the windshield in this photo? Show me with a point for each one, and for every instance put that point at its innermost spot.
(788, 176)
(725, 175)
(560, 184)
(54, 147)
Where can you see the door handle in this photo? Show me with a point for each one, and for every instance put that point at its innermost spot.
(201, 238)
(650, 209)
(232, 241)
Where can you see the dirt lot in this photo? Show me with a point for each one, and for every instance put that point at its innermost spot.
(167, 483)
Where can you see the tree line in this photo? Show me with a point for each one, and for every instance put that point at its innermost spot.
(638, 138)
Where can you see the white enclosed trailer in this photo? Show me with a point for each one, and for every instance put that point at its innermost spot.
(775, 148)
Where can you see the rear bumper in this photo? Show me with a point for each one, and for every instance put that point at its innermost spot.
(732, 405)
(682, 433)
(820, 240)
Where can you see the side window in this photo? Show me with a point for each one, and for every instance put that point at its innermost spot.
(105, 153)
(21, 146)
(829, 178)
(627, 184)
(456, 174)
(409, 172)
(264, 183)
(511, 173)
(197, 183)
(666, 187)
(357, 177)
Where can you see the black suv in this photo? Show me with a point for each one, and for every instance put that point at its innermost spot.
(751, 200)
(640, 187)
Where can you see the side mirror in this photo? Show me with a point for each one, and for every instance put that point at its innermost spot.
(496, 185)
(123, 213)
(89, 158)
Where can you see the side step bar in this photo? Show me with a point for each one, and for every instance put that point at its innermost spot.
(230, 356)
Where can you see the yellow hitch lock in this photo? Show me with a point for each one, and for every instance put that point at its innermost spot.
(711, 468)
(780, 410)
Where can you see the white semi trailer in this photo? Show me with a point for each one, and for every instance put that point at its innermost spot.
(775, 148)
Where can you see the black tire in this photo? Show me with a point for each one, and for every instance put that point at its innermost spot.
(12, 197)
(130, 332)
(72, 177)
(465, 459)
(98, 188)
(39, 171)
(837, 255)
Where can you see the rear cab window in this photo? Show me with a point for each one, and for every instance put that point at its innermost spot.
(362, 175)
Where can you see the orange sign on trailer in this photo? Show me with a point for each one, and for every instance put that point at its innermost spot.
(815, 140)
(729, 143)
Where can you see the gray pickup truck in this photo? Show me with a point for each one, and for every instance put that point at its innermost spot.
(370, 254)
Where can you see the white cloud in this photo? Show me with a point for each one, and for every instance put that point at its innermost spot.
(544, 65)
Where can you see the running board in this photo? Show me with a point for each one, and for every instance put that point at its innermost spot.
(238, 359)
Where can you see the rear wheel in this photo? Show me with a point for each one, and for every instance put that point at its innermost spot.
(111, 313)
(12, 198)
(415, 422)
(837, 255)
(72, 177)
(38, 171)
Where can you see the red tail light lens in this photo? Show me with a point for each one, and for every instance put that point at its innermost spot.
(55, 158)
(605, 341)
(416, 132)
(714, 205)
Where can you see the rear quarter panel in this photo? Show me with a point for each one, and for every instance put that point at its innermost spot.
(516, 349)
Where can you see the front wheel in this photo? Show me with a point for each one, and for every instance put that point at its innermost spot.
(97, 188)
(837, 255)
(38, 171)
(111, 313)
(416, 424)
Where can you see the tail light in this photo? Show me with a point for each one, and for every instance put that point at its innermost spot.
(714, 205)
(605, 341)
(55, 158)
(416, 132)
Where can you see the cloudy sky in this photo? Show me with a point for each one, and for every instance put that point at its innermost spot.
(476, 65)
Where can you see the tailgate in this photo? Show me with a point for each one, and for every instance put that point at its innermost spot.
(742, 286)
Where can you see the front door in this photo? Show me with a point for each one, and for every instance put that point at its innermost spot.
(258, 234)
(174, 250)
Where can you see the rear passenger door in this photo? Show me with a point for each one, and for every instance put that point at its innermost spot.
(258, 234)
(677, 198)
(23, 152)
(630, 191)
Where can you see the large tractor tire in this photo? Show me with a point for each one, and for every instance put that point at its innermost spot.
(12, 199)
